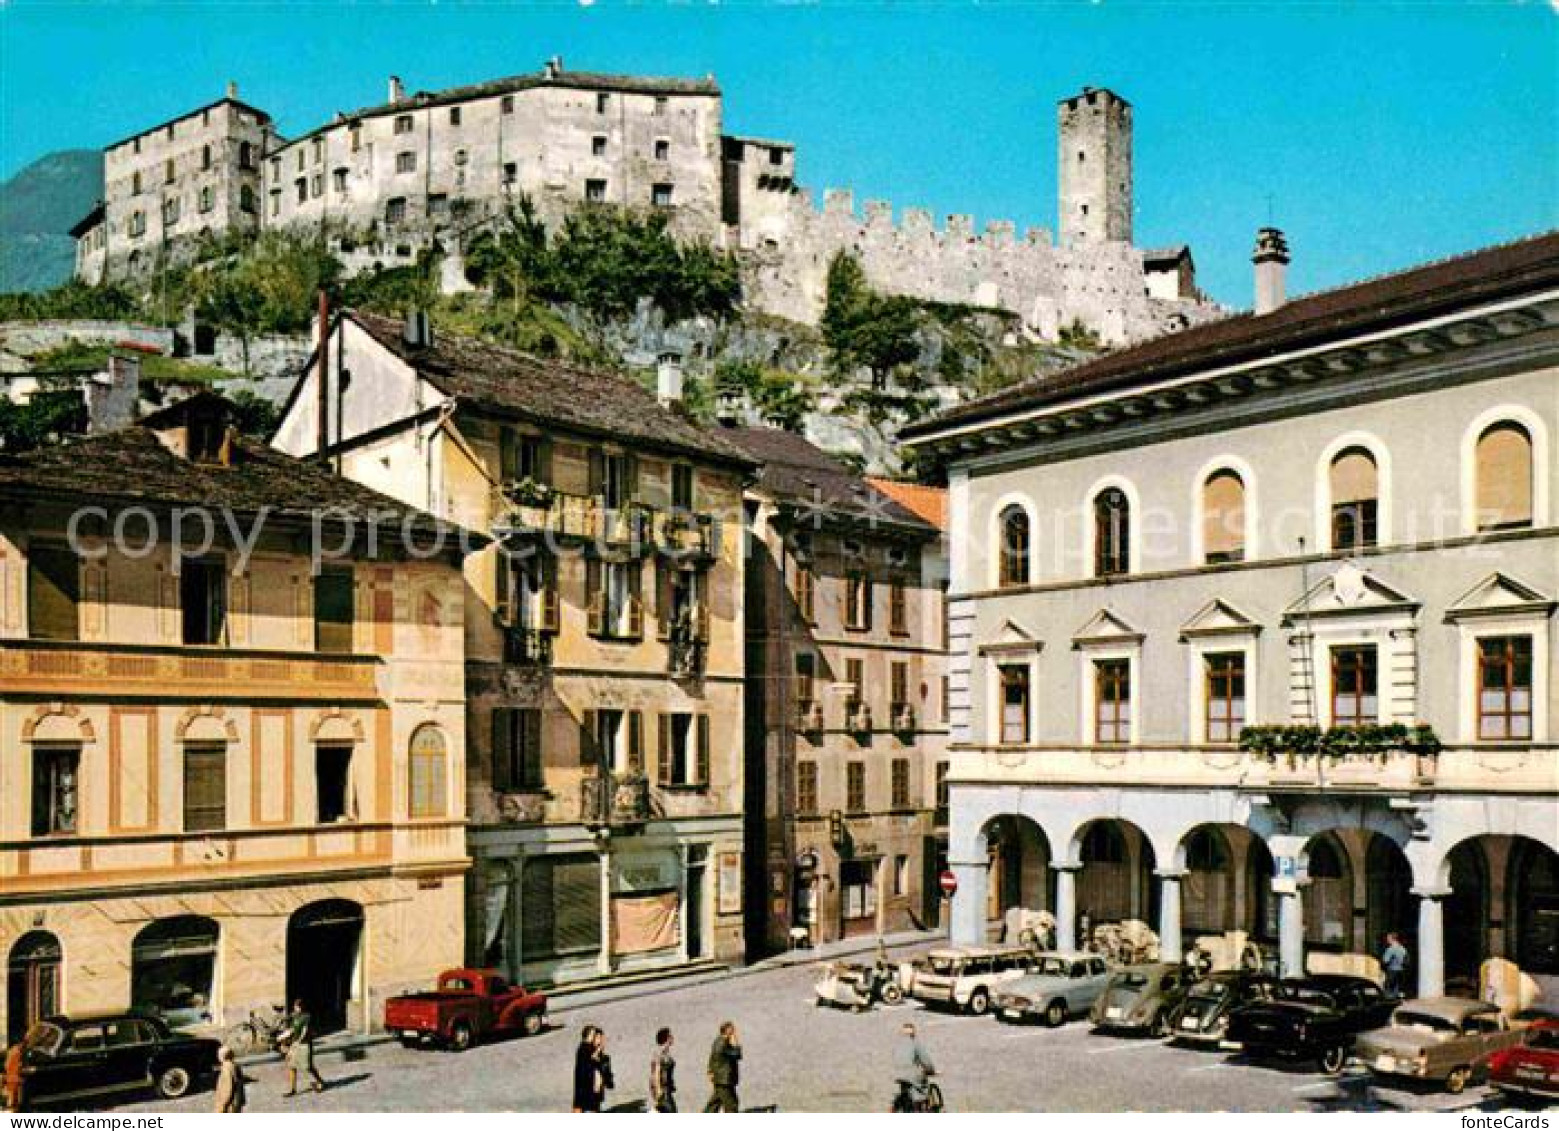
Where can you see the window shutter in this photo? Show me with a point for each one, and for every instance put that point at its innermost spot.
(597, 472)
(701, 617)
(595, 599)
(589, 751)
(508, 455)
(635, 601)
(663, 748)
(866, 603)
(701, 774)
(550, 613)
(544, 460)
(1504, 477)
(662, 600)
(503, 587)
(635, 742)
(532, 773)
(631, 483)
(503, 758)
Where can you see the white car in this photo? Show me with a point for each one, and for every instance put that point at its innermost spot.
(967, 977)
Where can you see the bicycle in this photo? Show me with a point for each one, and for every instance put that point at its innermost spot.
(259, 1032)
(926, 1098)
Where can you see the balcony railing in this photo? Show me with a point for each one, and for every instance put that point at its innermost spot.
(858, 718)
(903, 718)
(527, 646)
(615, 800)
(524, 513)
(809, 716)
(686, 534)
(685, 657)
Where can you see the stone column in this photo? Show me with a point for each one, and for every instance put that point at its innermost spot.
(968, 914)
(604, 956)
(1169, 944)
(1431, 941)
(1291, 932)
(1066, 906)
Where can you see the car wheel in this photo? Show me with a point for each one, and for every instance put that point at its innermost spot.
(1055, 1014)
(532, 1024)
(460, 1036)
(409, 1042)
(173, 1082)
(1333, 1059)
(892, 994)
(979, 1002)
(1457, 1080)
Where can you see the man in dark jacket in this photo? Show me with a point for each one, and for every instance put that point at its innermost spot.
(724, 1072)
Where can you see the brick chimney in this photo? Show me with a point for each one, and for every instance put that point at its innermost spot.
(397, 91)
(1271, 260)
(232, 89)
(668, 378)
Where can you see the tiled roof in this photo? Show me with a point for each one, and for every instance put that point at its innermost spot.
(930, 503)
(1376, 304)
(550, 392)
(260, 115)
(131, 466)
(798, 472)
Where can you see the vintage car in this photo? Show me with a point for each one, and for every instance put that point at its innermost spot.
(1315, 1018)
(967, 977)
(858, 985)
(1202, 1017)
(91, 1058)
(1062, 985)
(467, 1006)
(1530, 1070)
(1141, 998)
(1447, 1039)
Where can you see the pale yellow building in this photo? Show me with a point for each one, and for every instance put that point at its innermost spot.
(603, 638)
(228, 779)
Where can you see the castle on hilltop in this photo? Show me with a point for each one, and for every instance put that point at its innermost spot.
(427, 169)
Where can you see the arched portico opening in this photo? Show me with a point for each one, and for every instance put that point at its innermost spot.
(1226, 883)
(1019, 866)
(1328, 898)
(324, 942)
(1115, 881)
(1503, 902)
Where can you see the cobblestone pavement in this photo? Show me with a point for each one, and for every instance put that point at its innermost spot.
(800, 1057)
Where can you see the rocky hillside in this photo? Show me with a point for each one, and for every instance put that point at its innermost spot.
(37, 208)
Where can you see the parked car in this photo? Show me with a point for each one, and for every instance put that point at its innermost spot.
(1141, 998)
(82, 1058)
(1529, 1070)
(1061, 986)
(857, 985)
(1315, 1018)
(467, 1006)
(1447, 1039)
(1202, 1017)
(966, 977)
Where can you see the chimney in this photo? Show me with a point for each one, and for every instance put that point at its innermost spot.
(1271, 260)
(232, 89)
(668, 379)
(730, 406)
(418, 332)
(554, 66)
(397, 91)
(112, 398)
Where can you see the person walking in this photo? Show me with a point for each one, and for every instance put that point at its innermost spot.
(912, 1070)
(663, 1074)
(300, 1051)
(1393, 960)
(13, 1077)
(231, 1092)
(725, 1058)
(592, 1070)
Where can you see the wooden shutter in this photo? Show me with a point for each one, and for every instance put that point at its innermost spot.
(551, 616)
(560, 906)
(630, 477)
(1504, 477)
(502, 753)
(205, 787)
(596, 473)
(544, 459)
(595, 597)
(701, 771)
(53, 594)
(662, 600)
(663, 748)
(635, 601)
(635, 742)
(508, 455)
(589, 748)
(503, 587)
(532, 771)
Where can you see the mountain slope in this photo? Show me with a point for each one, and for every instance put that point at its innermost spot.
(37, 208)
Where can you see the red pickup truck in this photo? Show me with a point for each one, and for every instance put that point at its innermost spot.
(467, 1006)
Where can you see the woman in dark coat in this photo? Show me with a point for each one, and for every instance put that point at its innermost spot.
(592, 1070)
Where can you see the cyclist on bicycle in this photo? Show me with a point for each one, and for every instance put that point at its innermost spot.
(912, 1071)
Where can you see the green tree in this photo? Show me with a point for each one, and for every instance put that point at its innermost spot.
(863, 329)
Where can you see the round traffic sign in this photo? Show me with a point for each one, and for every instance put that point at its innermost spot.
(948, 882)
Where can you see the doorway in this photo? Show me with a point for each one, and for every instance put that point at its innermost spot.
(32, 982)
(323, 942)
(696, 872)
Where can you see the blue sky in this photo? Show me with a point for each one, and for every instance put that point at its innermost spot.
(1377, 137)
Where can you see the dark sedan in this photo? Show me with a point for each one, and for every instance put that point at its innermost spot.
(85, 1059)
(1203, 1017)
(1313, 1018)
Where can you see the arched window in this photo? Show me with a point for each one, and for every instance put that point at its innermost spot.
(1111, 533)
(1015, 546)
(1355, 490)
(429, 767)
(1223, 517)
(1504, 477)
(173, 967)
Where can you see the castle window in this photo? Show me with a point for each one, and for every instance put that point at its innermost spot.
(136, 145)
(170, 212)
(170, 130)
(660, 106)
(660, 196)
(1112, 533)
(319, 150)
(246, 199)
(246, 155)
(276, 202)
(662, 150)
(276, 168)
(395, 210)
(461, 157)
(406, 162)
(317, 187)
(776, 155)
(207, 199)
(137, 223)
(602, 101)
(135, 182)
(339, 178)
(1014, 563)
(511, 174)
(507, 104)
(595, 192)
(298, 161)
(1355, 486)
(205, 157)
(356, 134)
(403, 123)
(598, 146)
(1223, 517)
(302, 187)
(438, 204)
(1504, 477)
(454, 115)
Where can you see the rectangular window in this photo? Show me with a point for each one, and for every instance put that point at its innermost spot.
(776, 155)
(53, 594)
(333, 783)
(55, 773)
(333, 612)
(167, 171)
(855, 787)
(806, 787)
(317, 184)
(942, 793)
(1014, 703)
(602, 101)
(898, 608)
(855, 679)
(454, 115)
(901, 875)
(684, 750)
(1225, 696)
(900, 783)
(205, 786)
(406, 162)
(403, 124)
(507, 104)
(682, 486)
(301, 187)
(356, 135)
(1355, 697)
(339, 179)
(598, 146)
(660, 106)
(1504, 688)
(395, 210)
(1354, 524)
(899, 685)
(858, 602)
(203, 600)
(517, 764)
(806, 593)
(511, 174)
(1112, 701)
(662, 150)
(660, 195)
(595, 192)
(319, 150)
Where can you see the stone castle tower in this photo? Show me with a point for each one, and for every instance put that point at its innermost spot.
(1094, 168)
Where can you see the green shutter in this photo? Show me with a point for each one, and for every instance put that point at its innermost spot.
(53, 594)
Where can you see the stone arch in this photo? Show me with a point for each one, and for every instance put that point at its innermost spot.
(1116, 861)
(58, 722)
(1516, 902)
(206, 723)
(1225, 875)
(1019, 856)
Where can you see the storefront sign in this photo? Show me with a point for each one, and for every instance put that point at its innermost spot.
(728, 883)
